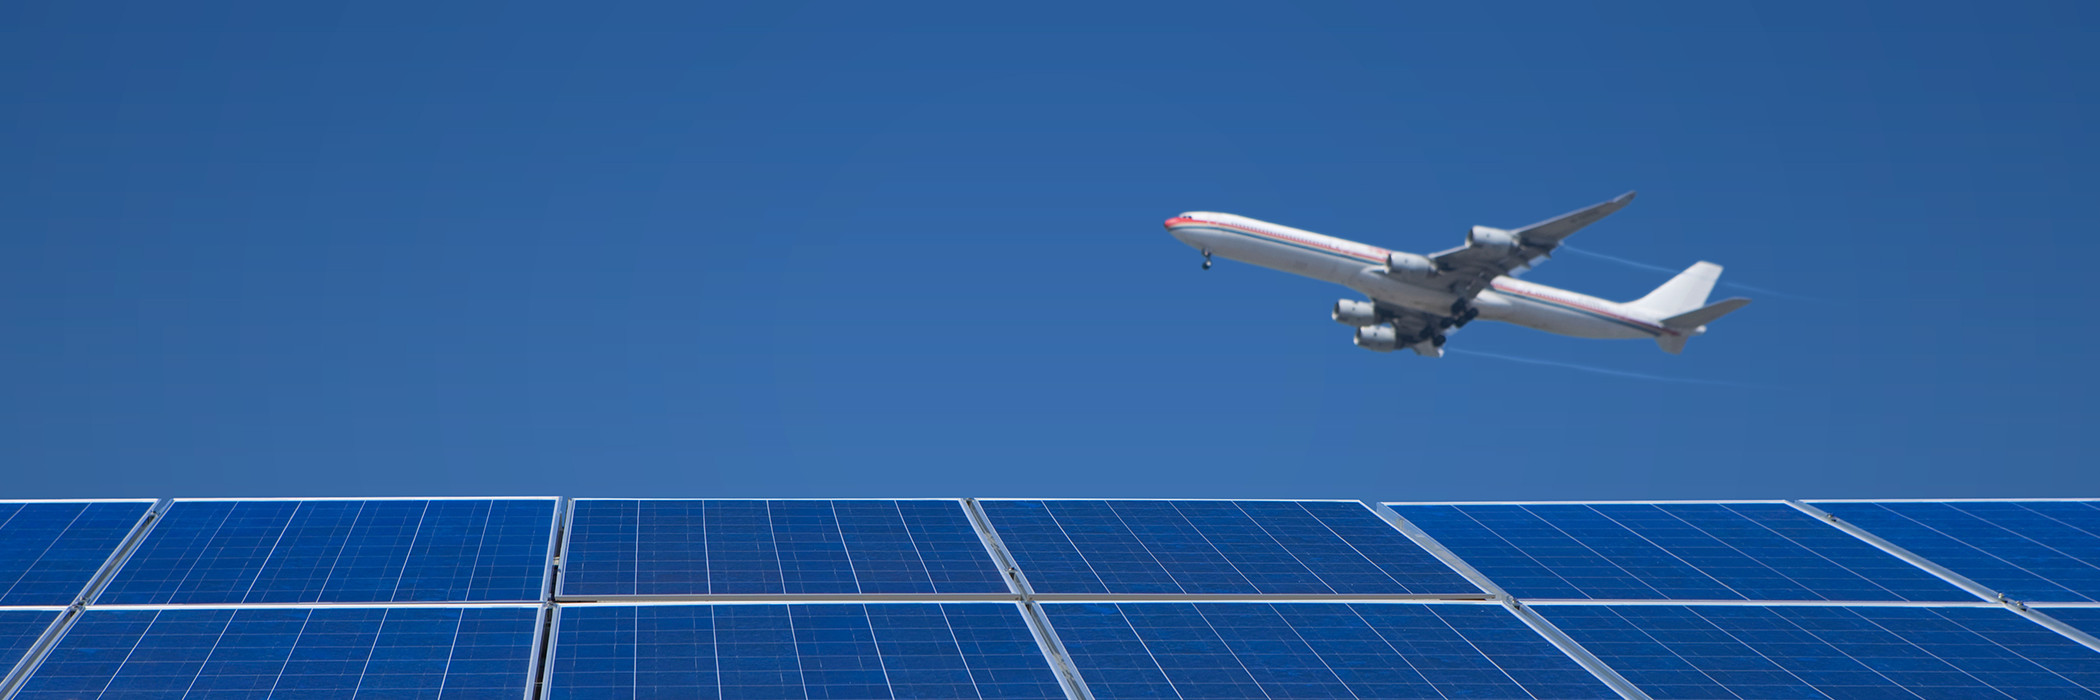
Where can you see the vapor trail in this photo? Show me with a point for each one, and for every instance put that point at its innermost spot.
(1619, 260)
(1658, 268)
(1595, 370)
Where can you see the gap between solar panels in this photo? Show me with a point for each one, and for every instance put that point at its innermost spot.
(88, 582)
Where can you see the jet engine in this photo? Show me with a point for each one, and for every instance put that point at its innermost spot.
(1379, 338)
(1493, 238)
(1409, 264)
(1349, 312)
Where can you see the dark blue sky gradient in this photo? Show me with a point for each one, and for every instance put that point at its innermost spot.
(870, 250)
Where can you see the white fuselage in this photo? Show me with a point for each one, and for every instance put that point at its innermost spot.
(1362, 268)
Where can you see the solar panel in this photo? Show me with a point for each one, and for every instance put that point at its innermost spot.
(2085, 619)
(1229, 547)
(2028, 550)
(1313, 650)
(340, 551)
(877, 650)
(1675, 651)
(50, 549)
(415, 652)
(732, 547)
(1677, 551)
(19, 630)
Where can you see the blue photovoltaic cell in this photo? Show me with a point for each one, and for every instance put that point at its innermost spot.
(1313, 650)
(700, 547)
(2027, 550)
(19, 630)
(1677, 551)
(49, 550)
(1675, 651)
(327, 551)
(219, 654)
(1258, 547)
(877, 650)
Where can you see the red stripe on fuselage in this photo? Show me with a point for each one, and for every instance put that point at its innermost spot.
(1508, 289)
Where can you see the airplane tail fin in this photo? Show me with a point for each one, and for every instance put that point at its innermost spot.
(1685, 292)
(1691, 323)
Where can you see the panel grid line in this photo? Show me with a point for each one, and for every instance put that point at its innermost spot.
(1329, 527)
(1150, 655)
(1477, 650)
(414, 536)
(75, 520)
(1936, 657)
(1411, 667)
(215, 642)
(840, 528)
(1154, 556)
(1279, 544)
(952, 637)
(1746, 555)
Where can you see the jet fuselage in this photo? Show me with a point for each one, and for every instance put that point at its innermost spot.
(1362, 268)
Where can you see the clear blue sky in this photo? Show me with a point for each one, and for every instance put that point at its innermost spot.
(867, 249)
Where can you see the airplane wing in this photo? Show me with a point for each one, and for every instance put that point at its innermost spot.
(1490, 253)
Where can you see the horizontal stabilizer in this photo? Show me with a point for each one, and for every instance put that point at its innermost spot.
(1692, 320)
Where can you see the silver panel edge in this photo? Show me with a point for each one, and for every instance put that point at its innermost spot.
(1908, 557)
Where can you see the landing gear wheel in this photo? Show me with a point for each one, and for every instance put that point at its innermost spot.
(1446, 322)
(1469, 315)
(1206, 264)
(1206, 259)
(1437, 340)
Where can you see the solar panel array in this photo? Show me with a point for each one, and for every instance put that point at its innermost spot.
(598, 599)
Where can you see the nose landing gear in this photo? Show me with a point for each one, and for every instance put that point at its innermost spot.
(1206, 259)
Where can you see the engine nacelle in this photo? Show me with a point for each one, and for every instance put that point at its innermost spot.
(1380, 338)
(1349, 312)
(1493, 239)
(1409, 264)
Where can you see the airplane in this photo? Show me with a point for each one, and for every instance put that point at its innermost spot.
(1416, 301)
